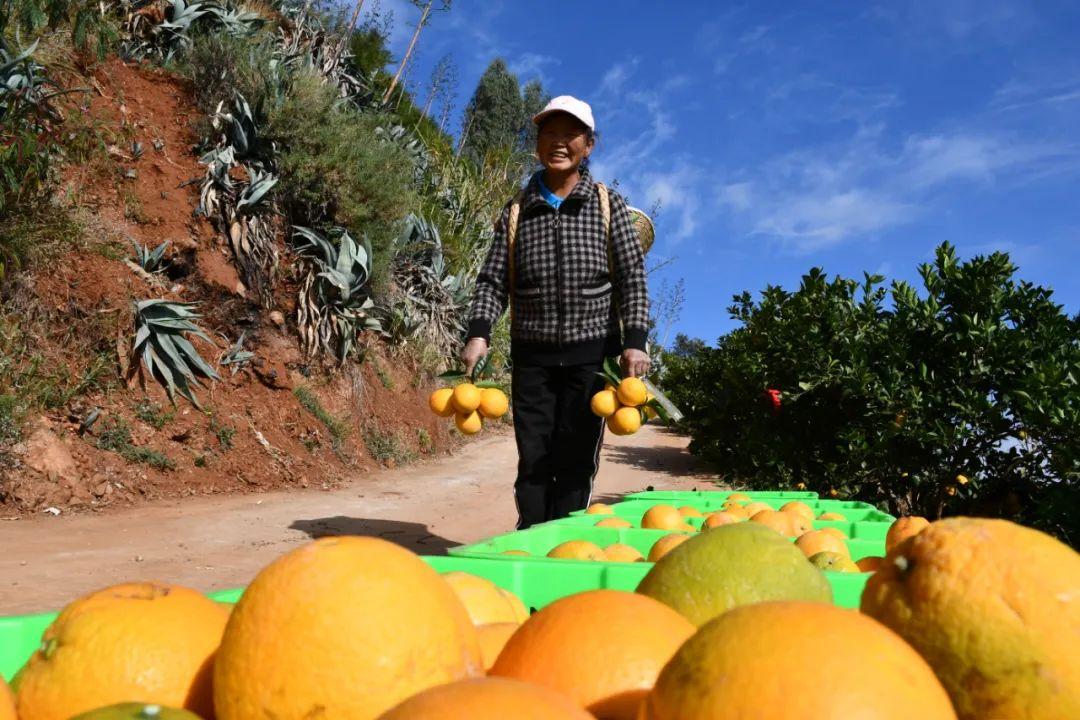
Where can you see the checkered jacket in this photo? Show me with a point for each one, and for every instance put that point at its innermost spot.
(564, 291)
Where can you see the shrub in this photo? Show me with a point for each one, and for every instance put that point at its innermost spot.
(335, 168)
(961, 399)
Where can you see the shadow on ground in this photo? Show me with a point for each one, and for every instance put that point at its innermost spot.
(413, 536)
(674, 460)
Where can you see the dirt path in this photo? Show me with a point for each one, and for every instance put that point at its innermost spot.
(214, 543)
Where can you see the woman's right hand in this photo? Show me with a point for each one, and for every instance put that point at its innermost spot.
(474, 350)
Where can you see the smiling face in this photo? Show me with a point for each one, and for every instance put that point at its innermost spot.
(563, 142)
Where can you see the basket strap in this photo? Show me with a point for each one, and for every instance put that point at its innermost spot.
(511, 237)
(605, 213)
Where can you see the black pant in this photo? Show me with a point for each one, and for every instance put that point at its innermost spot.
(558, 439)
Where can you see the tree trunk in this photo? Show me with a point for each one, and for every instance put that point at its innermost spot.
(408, 53)
(355, 16)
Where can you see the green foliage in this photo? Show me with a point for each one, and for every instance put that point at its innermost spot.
(223, 433)
(10, 420)
(221, 66)
(892, 395)
(338, 427)
(153, 414)
(535, 97)
(90, 28)
(115, 436)
(423, 438)
(336, 170)
(385, 446)
(493, 116)
(167, 355)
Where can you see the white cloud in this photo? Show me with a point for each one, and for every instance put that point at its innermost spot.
(816, 220)
(531, 65)
(824, 196)
(615, 78)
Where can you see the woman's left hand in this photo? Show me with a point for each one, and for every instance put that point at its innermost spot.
(635, 363)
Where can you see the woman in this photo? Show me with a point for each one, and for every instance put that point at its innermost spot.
(569, 284)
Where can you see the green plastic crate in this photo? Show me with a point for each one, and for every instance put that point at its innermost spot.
(680, 496)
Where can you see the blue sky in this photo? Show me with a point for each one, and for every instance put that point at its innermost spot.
(778, 136)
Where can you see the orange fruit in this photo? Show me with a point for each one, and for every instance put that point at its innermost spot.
(136, 711)
(599, 509)
(799, 508)
(739, 497)
(902, 529)
(520, 553)
(688, 511)
(994, 607)
(440, 402)
(614, 522)
(870, 563)
(661, 517)
(576, 550)
(778, 521)
(492, 639)
(521, 613)
(468, 424)
(619, 552)
(798, 524)
(665, 545)
(816, 541)
(831, 516)
(756, 507)
(7, 702)
(717, 519)
(343, 627)
(488, 698)
(834, 561)
(685, 527)
(604, 403)
(485, 601)
(493, 403)
(867, 672)
(466, 398)
(835, 532)
(729, 566)
(625, 421)
(632, 392)
(602, 648)
(150, 641)
(737, 510)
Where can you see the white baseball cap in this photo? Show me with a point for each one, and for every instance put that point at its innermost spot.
(570, 105)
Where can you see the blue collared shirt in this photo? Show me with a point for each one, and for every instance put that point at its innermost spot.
(552, 199)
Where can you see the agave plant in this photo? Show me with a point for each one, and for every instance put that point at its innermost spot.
(236, 356)
(167, 355)
(333, 304)
(243, 212)
(149, 260)
(427, 298)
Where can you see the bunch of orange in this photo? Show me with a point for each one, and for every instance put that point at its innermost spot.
(469, 405)
(626, 406)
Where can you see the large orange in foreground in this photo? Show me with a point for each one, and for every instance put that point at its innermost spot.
(137, 642)
(344, 627)
(795, 661)
(603, 648)
(488, 699)
(7, 702)
(994, 607)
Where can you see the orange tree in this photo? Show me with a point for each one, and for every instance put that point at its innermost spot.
(961, 397)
